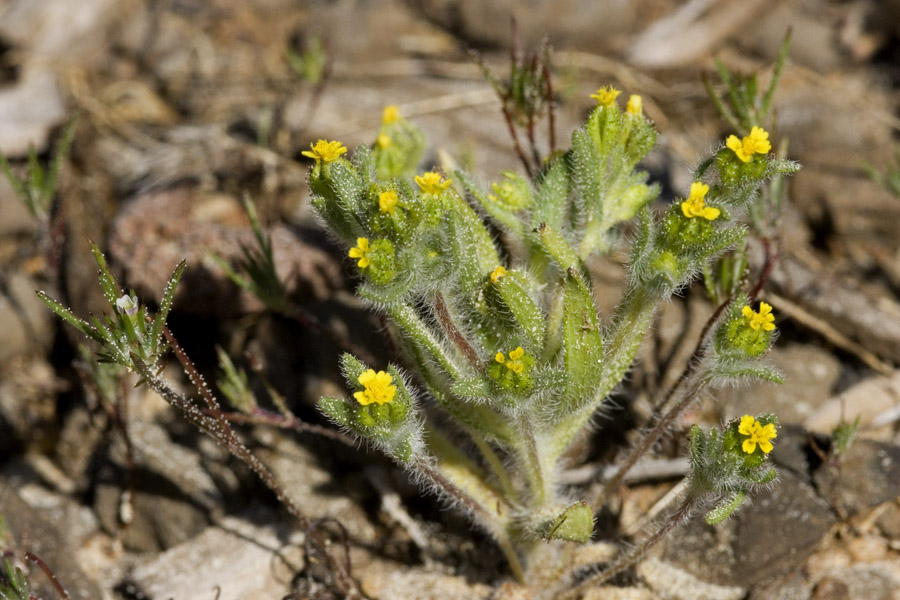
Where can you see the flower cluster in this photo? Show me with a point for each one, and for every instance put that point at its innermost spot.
(432, 183)
(762, 320)
(695, 204)
(606, 95)
(325, 152)
(755, 143)
(511, 371)
(756, 434)
(378, 388)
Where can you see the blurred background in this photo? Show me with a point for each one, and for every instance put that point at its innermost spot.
(184, 107)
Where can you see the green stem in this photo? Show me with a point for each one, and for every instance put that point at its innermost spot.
(632, 320)
(421, 335)
(496, 466)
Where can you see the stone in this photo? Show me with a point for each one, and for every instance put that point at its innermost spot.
(799, 516)
(810, 373)
(27, 324)
(52, 525)
(677, 584)
(864, 476)
(253, 555)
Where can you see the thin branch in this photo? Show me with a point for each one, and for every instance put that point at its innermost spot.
(49, 573)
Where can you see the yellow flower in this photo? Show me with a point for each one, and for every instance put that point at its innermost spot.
(431, 183)
(606, 95)
(378, 388)
(383, 140)
(635, 105)
(497, 274)
(760, 320)
(514, 363)
(325, 152)
(756, 433)
(390, 114)
(387, 201)
(695, 205)
(361, 251)
(755, 143)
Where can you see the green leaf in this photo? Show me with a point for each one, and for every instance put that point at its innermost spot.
(69, 317)
(513, 288)
(165, 305)
(725, 508)
(582, 340)
(575, 524)
(111, 290)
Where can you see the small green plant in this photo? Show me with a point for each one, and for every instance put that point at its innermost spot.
(507, 341)
(38, 188)
(509, 359)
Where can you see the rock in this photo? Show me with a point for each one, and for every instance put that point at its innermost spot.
(254, 555)
(158, 229)
(173, 494)
(306, 479)
(810, 374)
(26, 322)
(159, 516)
(744, 551)
(589, 26)
(869, 400)
(677, 584)
(14, 216)
(28, 388)
(30, 109)
(865, 476)
(798, 515)
(53, 526)
(871, 581)
(398, 582)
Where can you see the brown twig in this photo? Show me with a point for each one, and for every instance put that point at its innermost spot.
(455, 335)
(49, 573)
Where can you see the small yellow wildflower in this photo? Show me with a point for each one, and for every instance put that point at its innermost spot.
(497, 274)
(383, 140)
(378, 388)
(635, 105)
(325, 152)
(756, 433)
(606, 95)
(762, 319)
(514, 363)
(390, 114)
(755, 143)
(361, 251)
(695, 205)
(432, 183)
(387, 201)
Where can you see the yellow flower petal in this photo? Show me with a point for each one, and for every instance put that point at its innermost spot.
(517, 353)
(324, 151)
(635, 105)
(387, 201)
(746, 424)
(498, 274)
(390, 114)
(606, 95)
(431, 183)
(500, 358)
